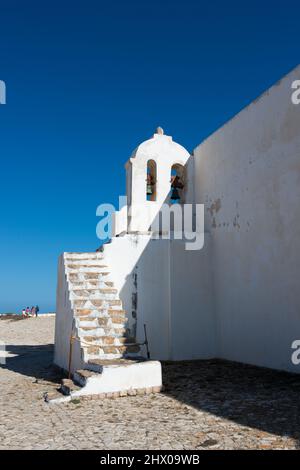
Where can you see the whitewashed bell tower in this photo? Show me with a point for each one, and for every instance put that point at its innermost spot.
(157, 167)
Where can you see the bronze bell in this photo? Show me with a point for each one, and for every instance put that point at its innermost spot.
(175, 194)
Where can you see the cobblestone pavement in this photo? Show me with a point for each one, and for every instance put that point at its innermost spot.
(205, 405)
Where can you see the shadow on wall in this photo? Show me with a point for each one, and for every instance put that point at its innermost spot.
(165, 286)
(145, 272)
(259, 398)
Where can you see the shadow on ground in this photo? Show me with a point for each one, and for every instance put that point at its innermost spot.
(260, 398)
(33, 361)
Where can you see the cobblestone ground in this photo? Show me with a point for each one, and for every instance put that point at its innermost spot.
(205, 405)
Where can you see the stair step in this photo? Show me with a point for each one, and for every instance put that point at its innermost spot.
(110, 321)
(85, 263)
(83, 256)
(86, 328)
(102, 350)
(100, 312)
(84, 373)
(82, 267)
(94, 304)
(115, 362)
(90, 284)
(101, 331)
(75, 269)
(104, 319)
(92, 294)
(106, 340)
(109, 340)
(115, 314)
(100, 379)
(93, 290)
(68, 386)
(96, 313)
(89, 302)
(106, 322)
(84, 277)
(105, 356)
(93, 324)
(97, 365)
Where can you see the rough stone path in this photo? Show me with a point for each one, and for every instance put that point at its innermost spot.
(205, 405)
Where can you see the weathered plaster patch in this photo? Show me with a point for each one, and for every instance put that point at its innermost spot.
(215, 207)
(235, 222)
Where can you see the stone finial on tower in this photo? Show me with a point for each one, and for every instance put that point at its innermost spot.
(159, 131)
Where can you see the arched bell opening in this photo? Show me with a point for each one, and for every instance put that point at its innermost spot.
(151, 181)
(177, 182)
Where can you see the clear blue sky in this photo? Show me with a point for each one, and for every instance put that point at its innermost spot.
(86, 82)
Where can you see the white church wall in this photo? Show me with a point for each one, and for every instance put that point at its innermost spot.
(248, 176)
(153, 298)
(192, 303)
(169, 289)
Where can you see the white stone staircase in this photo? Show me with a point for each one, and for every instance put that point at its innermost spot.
(92, 338)
(100, 321)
